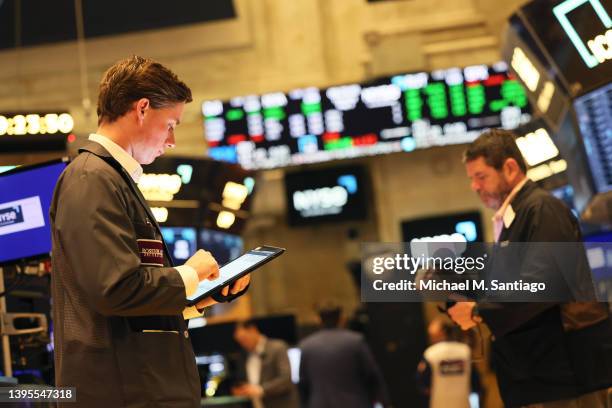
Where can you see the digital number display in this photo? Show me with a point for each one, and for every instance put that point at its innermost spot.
(391, 114)
(35, 124)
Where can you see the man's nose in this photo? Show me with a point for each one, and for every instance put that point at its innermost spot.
(170, 143)
(474, 186)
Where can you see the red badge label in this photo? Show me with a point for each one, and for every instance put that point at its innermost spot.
(151, 252)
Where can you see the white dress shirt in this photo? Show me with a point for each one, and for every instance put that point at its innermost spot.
(505, 215)
(134, 169)
(253, 368)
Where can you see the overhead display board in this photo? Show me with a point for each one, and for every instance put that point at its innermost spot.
(390, 114)
(594, 114)
(577, 36)
(561, 50)
(34, 131)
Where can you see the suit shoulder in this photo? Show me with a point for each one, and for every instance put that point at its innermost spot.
(277, 344)
(351, 336)
(89, 167)
(541, 200)
(540, 197)
(347, 337)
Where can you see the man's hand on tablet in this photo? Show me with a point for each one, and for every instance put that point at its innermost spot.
(239, 285)
(204, 264)
(236, 287)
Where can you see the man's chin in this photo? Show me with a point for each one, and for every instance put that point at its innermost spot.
(491, 203)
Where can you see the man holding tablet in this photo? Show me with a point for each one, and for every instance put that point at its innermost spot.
(234, 271)
(119, 306)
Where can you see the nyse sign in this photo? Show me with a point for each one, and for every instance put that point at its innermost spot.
(325, 200)
(21, 215)
(599, 46)
(321, 201)
(11, 215)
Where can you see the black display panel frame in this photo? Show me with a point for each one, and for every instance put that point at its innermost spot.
(398, 113)
(442, 224)
(312, 200)
(561, 40)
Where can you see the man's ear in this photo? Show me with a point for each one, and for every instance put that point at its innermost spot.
(141, 107)
(511, 168)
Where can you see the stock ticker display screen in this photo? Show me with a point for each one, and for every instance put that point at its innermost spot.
(594, 113)
(392, 114)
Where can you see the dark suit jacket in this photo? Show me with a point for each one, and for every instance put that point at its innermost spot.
(275, 376)
(120, 338)
(547, 351)
(337, 369)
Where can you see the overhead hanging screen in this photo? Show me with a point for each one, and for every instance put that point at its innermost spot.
(391, 114)
(594, 113)
(26, 193)
(577, 34)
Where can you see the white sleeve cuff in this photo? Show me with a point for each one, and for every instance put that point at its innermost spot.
(191, 312)
(190, 278)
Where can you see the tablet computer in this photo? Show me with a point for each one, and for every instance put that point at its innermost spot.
(234, 270)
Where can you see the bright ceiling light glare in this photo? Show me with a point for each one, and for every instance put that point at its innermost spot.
(159, 187)
(545, 96)
(160, 213)
(225, 219)
(546, 170)
(537, 147)
(558, 166)
(525, 69)
(539, 172)
(234, 195)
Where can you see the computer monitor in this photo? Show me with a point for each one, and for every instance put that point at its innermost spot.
(181, 242)
(26, 193)
(467, 224)
(333, 194)
(223, 246)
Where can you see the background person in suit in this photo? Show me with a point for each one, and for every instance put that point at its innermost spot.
(546, 354)
(119, 305)
(337, 368)
(265, 369)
